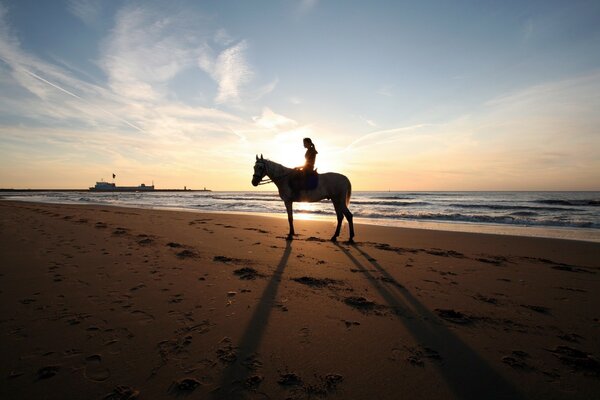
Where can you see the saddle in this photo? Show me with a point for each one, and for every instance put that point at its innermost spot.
(304, 180)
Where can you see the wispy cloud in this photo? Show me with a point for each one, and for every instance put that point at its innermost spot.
(271, 120)
(305, 6)
(87, 11)
(385, 91)
(222, 37)
(230, 70)
(383, 136)
(369, 122)
(144, 51)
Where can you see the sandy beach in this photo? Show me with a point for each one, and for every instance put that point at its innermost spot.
(122, 303)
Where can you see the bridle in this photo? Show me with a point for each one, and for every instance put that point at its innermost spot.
(268, 180)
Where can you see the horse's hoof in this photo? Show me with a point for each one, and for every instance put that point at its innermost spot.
(351, 241)
(333, 239)
(289, 237)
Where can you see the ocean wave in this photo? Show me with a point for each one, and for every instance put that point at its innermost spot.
(391, 203)
(483, 219)
(508, 208)
(583, 202)
(393, 198)
(524, 214)
(315, 212)
(246, 198)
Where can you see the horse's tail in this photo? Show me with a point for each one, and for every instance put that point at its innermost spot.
(348, 193)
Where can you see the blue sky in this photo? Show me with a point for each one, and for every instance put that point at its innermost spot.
(431, 95)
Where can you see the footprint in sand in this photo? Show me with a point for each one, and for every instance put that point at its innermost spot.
(143, 317)
(94, 370)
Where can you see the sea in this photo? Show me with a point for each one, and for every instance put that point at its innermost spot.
(566, 215)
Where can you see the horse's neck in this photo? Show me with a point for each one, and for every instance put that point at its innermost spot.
(276, 170)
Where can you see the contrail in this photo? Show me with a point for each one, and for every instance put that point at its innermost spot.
(83, 100)
(137, 128)
(383, 132)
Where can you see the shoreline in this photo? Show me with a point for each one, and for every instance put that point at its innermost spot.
(110, 302)
(550, 232)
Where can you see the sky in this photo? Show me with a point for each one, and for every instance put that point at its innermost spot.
(396, 95)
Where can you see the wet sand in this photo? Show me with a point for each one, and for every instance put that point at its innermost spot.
(119, 303)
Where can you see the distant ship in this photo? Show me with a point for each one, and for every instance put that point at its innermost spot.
(111, 187)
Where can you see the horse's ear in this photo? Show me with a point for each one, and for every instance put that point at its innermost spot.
(261, 157)
(257, 157)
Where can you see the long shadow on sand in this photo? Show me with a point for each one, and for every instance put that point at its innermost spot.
(467, 374)
(234, 378)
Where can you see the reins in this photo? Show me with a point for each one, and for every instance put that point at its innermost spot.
(266, 182)
(270, 180)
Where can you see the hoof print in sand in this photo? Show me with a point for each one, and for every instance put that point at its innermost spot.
(122, 393)
(349, 323)
(570, 337)
(227, 353)
(516, 360)
(145, 240)
(186, 254)
(247, 273)
(252, 382)
(225, 259)
(418, 354)
(316, 282)
(577, 359)
(486, 299)
(332, 380)
(174, 245)
(289, 379)
(360, 303)
(184, 385)
(538, 309)
(94, 370)
(47, 372)
(453, 316)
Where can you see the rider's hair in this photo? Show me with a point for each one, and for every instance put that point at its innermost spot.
(309, 141)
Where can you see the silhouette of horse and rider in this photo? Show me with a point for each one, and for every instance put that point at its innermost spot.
(304, 184)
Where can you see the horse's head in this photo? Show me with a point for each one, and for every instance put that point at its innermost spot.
(260, 170)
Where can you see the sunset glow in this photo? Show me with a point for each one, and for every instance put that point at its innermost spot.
(443, 97)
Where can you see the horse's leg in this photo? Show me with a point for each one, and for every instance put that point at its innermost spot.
(340, 217)
(348, 216)
(288, 207)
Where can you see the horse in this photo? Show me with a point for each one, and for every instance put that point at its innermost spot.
(331, 185)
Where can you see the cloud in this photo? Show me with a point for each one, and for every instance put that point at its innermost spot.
(385, 91)
(305, 6)
(383, 136)
(137, 95)
(536, 138)
(271, 120)
(145, 50)
(223, 38)
(369, 122)
(87, 11)
(230, 70)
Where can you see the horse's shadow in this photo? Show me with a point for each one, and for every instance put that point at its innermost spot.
(234, 379)
(467, 374)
